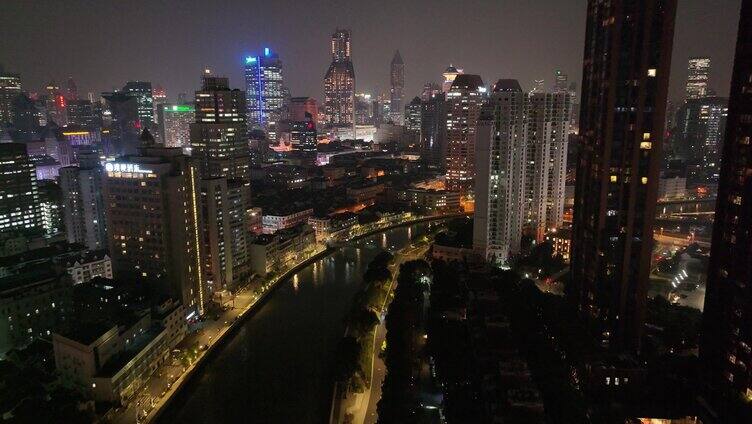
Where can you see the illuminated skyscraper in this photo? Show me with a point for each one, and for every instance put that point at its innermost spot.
(499, 158)
(624, 91)
(339, 83)
(726, 344)
(10, 88)
(412, 115)
(81, 112)
(124, 125)
(141, 90)
(560, 81)
(218, 136)
(219, 145)
(174, 123)
(546, 137)
(153, 222)
(464, 100)
(433, 128)
(397, 87)
(698, 75)
(19, 194)
(55, 103)
(264, 90)
(701, 124)
(450, 73)
(83, 207)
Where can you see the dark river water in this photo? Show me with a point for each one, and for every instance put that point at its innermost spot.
(277, 367)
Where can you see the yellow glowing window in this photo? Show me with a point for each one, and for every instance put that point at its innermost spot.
(614, 178)
(652, 72)
(644, 180)
(646, 145)
(646, 136)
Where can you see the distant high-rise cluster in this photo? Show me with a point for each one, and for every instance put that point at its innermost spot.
(339, 83)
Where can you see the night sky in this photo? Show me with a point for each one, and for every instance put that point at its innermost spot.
(103, 43)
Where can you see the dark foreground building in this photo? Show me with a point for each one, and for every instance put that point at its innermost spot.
(726, 346)
(625, 79)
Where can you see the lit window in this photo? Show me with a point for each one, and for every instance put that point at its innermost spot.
(614, 178)
(646, 145)
(652, 72)
(646, 136)
(644, 180)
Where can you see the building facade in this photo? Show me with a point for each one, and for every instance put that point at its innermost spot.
(622, 120)
(175, 123)
(698, 75)
(397, 88)
(726, 343)
(20, 209)
(339, 83)
(153, 221)
(464, 101)
(264, 91)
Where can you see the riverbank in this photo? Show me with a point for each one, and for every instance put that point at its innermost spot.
(217, 332)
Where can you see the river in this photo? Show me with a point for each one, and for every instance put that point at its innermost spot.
(277, 367)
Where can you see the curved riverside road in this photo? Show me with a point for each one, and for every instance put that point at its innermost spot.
(277, 367)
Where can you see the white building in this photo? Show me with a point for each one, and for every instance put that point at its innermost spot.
(83, 209)
(500, 173)
(91, 265)
(274, 222)
(547, 121)
(520, 160)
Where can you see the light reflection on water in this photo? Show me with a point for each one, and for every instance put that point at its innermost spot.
(276, 368)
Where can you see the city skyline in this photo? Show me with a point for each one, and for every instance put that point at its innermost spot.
(166, 43)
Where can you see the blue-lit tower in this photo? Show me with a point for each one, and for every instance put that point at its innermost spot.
(265, 94)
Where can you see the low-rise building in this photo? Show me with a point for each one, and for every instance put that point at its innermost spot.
(273, 252)
(429, 200)
(561, 240)
(672, 188)
(323, 227)
(90, 265)
(273, 222)
(364, 193)
(32, 304)
(112, 361)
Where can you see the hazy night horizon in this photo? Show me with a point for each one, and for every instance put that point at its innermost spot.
(100, 43)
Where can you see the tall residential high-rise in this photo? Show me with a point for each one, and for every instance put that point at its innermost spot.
(174, 124)
(433, 129)
(546, 137)
(83, 207)
(141, 90)
(698, 75)
(264, 90)
(412, 115)
(397, 87)
(218, 136)
(726, 342)
(153, 223)
(10, 88)
(19, 194)
(450, 73)
(219, 145)
(624, 93)
(339, 83)
(464, 100)
(500, 158)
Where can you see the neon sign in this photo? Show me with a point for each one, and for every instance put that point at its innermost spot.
(126, 167)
